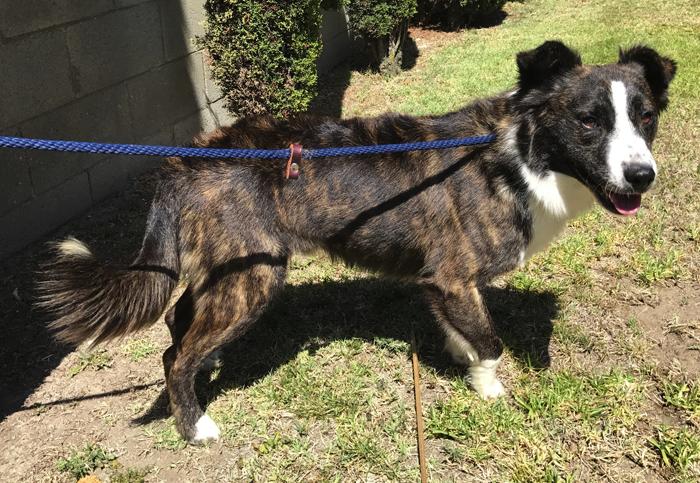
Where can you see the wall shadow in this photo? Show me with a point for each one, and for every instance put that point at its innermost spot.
(331, 90)
(28, 353)
(444, 20)
(114, 227)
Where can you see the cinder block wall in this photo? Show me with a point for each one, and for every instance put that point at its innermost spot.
(95, 70)
(338, 43)
(100, 70)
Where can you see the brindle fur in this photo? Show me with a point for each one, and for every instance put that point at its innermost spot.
(450, 220)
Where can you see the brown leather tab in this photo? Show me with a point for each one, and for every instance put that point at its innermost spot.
(293, 168)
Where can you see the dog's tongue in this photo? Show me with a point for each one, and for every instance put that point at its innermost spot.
(626, 204)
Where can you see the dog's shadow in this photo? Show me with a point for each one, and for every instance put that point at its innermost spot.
(310, 316)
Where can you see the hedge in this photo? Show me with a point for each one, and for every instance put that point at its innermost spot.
(453, 14)
(383, 24)
(263, 53)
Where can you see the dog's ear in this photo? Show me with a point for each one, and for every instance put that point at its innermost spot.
(658, 71)
(540, 66)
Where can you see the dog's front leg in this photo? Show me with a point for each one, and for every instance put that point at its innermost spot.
(470, 337)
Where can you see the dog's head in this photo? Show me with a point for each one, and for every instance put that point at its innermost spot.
(594, 123)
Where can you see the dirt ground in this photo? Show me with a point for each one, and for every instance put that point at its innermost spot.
(50, 407)
(54, 399)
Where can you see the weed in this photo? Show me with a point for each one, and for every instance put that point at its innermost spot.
(678, 448)
(84, 461)
(93, 360)
(682, 395)
(652, 268)
(165, 436)
(129, 475)
(139, 349)
(633, 324)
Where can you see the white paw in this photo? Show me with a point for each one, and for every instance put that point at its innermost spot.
(206, 430)
(490, 390)
(482, 377)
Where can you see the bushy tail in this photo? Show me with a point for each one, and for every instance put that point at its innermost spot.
(92, 300)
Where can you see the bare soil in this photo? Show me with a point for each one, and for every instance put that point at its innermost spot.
(48, 410)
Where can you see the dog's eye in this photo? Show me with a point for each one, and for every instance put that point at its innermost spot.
(589, 122)
(647, 117)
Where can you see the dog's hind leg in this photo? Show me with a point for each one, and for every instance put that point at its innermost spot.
(178, 319)
(222, 308)
(470, 337)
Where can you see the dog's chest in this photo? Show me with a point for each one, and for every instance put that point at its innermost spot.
(554, 199)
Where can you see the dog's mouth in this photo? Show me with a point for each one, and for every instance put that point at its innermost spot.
(625, 204)
(618, 202)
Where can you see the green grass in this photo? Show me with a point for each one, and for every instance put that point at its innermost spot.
(321, 388)
(165, 436)
(139, 349)
(678, 448)
(683, 395)
(82, 462)
(93, 360)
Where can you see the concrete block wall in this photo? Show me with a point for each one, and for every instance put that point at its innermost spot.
(94, 70)
(338, 42)
(124, 71)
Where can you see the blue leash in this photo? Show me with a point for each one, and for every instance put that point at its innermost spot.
(145, 150)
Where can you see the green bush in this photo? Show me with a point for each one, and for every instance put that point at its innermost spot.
(378, 18)
(263, 53)
(383, 24)
(452, 14)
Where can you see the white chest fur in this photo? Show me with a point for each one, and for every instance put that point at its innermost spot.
(554, 199)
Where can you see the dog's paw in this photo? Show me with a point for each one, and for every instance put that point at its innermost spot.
(489, 390)
(482, 377)
(206, 431)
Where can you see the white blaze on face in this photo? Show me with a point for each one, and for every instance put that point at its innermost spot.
(626, 146)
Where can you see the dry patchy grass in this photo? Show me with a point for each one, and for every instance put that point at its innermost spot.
(602, 330)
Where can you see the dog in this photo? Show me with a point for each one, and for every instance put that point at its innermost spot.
(449, 220)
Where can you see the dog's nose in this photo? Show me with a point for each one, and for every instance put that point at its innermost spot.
(640, 176)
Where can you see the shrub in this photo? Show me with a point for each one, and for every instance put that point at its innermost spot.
(263, 53)
(452, 14)
(383, 24)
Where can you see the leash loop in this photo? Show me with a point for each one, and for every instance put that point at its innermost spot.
(293, 168)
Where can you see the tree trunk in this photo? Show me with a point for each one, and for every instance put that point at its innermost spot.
(386, 53)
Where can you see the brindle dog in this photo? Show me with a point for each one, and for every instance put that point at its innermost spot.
(450, 220)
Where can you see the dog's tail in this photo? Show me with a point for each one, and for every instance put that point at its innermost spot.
(91, 300)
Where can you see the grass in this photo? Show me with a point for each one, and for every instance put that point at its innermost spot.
(320, 389)
(328, 397)
(92, 360)
(165, 436)
(683, 395)
(82, 462)
(678, 448)
(138, 349)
